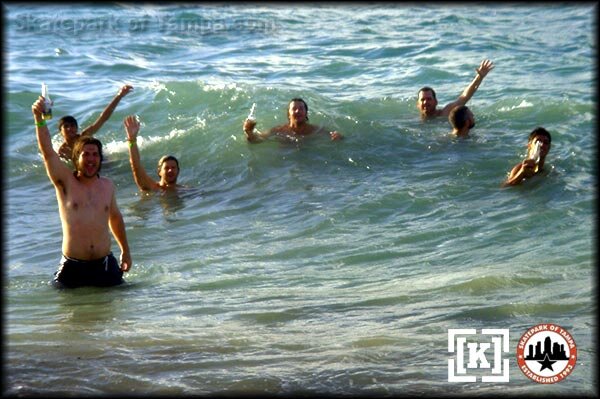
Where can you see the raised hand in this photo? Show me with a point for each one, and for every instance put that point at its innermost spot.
(132, 127)
(37, 108)
(123, 91)
(484, 68)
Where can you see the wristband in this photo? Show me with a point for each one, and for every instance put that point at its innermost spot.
(131, 143)
(40, 124)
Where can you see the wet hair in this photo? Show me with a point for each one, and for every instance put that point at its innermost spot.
(458, 116)
(164, 159)
(78, 149)
(540, 131)
(299, 100)
(427, 88)
(66, 120)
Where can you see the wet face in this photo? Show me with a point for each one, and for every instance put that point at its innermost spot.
(297, 112)
(88, 163)
(426, 103)
(169, 171)
(69, 132)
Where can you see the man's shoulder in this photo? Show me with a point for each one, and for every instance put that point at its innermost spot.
(446, 110)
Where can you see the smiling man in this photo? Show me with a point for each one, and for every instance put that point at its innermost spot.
(167, 168)
(296, 128)
(88, 212)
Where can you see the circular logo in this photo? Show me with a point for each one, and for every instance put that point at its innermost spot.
(546, 353)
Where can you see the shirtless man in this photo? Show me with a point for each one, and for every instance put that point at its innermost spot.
(68, 124)
(462, 120)
(296, 128)
(427, 101)
(529, 167)
(167, 169)
(88, 209)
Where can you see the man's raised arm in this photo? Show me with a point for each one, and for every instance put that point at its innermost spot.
(57, 171)
(105, 115)
(143, 181)
(485, 67)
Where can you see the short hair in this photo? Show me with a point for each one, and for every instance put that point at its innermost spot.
(164, 159)
(299, 100)
(66, 119)
(427, 88)
(458, 116)
(80, 143)
(540, 131)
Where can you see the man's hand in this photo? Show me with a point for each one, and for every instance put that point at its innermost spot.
(484, 68)
(528, 167)
(126, 89)
(38, 108)
(249, 126)
(132, 127)
(125, 262)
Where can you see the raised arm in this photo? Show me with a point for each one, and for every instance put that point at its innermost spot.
(143, 181)
(117, 226)
(57, 171)
(485, 67)
(105, 115)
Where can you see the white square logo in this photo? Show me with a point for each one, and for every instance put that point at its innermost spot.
(472, 354)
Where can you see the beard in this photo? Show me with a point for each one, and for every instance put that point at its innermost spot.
(171, 179)
(89, 172)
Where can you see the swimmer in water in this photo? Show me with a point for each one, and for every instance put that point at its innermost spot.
(68, 124)
(427, 100)
(530, 166)
(167, 169)
(462, 120)
(296, 128)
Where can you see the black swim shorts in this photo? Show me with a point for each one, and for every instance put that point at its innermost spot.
(103, 272)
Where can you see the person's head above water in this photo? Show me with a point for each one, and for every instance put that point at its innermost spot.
(68, 127)
(541, 132)
(84, 154)
(426, 101)
(462, 120)
(543, 136)
(297, 111)
(168, 169)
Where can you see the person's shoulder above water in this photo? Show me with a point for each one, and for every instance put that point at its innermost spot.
(297, 126)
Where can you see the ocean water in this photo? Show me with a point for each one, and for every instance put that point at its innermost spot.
(317, 267)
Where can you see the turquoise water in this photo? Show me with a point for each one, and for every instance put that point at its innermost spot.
(322, 267)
